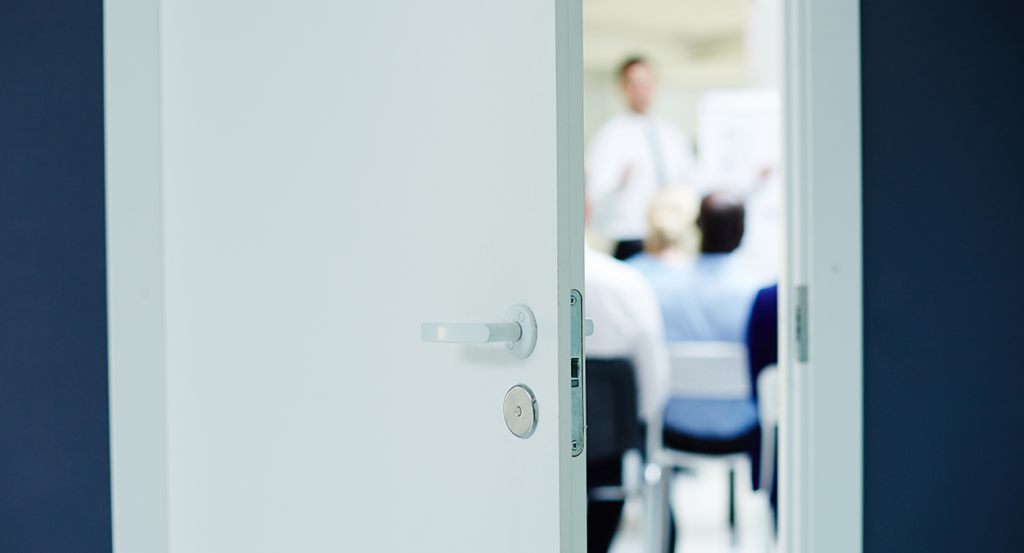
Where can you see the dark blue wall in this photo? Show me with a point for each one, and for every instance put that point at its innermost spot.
(943, 104)
(943, 108)
(54, 460)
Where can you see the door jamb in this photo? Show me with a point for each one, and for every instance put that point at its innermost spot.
(821, 427)
(135, 275)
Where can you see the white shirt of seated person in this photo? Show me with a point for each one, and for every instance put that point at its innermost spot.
(627, 325)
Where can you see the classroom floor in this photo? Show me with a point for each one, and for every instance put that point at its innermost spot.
(701, 503)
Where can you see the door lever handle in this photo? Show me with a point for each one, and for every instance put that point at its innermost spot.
(470, 333)
(518, 330)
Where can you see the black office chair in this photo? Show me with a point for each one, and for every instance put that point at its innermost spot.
(612, 429)
(612, 423)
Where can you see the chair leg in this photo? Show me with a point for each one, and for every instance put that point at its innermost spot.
(732, 504)
(658, 492)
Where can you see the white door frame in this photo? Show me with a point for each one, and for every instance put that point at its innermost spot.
(821, 429)
(135, 275)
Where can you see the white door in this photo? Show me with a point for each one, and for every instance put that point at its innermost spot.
(324, 177)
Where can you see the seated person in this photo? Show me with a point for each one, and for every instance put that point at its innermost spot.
(672, 242)
(627, 325)
(710, 299)
(763, 345)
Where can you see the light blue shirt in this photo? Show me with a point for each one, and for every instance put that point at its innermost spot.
(707, 300)
(663, 276)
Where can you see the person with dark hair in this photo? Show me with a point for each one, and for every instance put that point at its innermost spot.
(630, 62)
(630, 158)
(711, 299)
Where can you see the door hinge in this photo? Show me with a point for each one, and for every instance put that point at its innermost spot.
(801, 324)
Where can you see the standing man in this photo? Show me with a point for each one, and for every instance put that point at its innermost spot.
(630, 158)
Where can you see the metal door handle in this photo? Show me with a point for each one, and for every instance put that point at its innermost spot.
(518, 330)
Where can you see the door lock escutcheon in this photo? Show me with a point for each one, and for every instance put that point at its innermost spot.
(520, 409)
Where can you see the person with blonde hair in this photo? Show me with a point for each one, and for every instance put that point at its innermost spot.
(672, 220)
(671, 242)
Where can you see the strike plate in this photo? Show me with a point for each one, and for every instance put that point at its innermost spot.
(577, 370)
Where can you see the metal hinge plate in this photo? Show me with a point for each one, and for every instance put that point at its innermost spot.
(802, 342)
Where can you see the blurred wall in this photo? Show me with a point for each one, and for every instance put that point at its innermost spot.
(943, 151)
(693, 46)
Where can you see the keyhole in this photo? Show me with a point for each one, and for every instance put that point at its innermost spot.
(519, 411)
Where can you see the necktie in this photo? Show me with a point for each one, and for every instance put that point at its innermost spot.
(652, 142)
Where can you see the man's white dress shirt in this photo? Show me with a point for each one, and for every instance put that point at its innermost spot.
(627, 325)
(655, 153)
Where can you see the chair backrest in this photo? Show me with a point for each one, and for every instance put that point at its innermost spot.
(709, 369)
(612, 423)
(768, 396)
